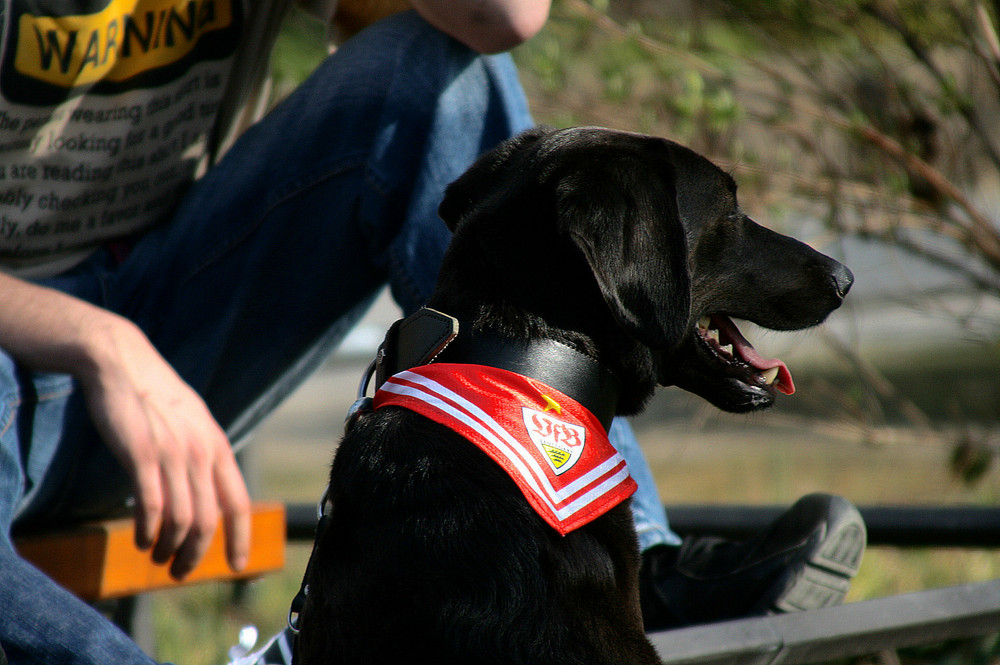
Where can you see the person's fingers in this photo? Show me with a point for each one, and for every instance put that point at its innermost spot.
(178, 511)
(149, 503)
(235, 504)
(204, 522)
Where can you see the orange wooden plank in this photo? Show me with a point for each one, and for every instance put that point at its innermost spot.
(99, 560)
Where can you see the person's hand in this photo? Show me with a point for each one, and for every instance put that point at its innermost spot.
(182, 468)
(180, 461)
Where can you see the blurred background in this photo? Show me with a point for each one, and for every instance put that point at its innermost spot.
(870, 130)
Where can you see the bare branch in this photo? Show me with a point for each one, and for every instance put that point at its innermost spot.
(922, 54)
(989, 33)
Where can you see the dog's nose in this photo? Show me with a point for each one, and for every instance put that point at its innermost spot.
(842, 279)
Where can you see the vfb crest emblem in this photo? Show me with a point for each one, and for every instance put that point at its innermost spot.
(560, 443)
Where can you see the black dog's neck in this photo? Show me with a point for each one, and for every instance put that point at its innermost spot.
(431, 336)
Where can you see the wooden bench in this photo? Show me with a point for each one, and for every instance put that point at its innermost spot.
(99, 560)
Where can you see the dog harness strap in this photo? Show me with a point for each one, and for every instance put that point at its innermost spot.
(553, 448)
(413, 341)
(553, 363)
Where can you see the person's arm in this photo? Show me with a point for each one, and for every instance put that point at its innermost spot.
(182, 467)
(486, 26)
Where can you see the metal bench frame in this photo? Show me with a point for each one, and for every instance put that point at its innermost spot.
(854, 629)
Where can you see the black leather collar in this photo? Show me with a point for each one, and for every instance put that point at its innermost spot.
(431, 336)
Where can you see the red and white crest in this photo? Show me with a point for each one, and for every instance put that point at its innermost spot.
(561, 443)
(550, 445)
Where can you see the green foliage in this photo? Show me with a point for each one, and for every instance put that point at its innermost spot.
(888, 83)
(972, 459)
(301, 46)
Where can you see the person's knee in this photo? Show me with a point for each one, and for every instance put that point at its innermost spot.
(400, 47)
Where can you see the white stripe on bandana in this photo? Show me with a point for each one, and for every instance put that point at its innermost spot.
(553, 447)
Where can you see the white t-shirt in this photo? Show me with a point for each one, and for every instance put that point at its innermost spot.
(107, 110)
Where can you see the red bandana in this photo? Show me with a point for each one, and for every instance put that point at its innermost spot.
(555, 449)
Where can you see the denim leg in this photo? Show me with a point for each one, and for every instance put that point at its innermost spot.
(647, 510)
(43, 624)
(40, 622)
(276, 253)
(334, 193)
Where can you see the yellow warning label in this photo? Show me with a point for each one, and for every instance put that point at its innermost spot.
(126, 38)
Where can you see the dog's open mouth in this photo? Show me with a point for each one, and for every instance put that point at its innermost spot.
(725, 341)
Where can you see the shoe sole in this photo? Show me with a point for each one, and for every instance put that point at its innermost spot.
(826, 577)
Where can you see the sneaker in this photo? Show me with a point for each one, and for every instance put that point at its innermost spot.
(276, 651)
(804, 560)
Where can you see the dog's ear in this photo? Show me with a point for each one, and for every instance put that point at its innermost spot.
(485, 177)
(623, 216)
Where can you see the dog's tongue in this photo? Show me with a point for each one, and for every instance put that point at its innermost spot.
(744, 349)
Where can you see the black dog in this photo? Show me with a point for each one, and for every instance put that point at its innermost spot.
(626, 251)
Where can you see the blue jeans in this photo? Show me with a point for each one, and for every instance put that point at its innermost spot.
(268, 262)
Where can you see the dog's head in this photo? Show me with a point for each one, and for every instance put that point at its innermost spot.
(596, 230)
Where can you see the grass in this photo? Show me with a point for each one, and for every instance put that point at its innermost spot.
(197, 625)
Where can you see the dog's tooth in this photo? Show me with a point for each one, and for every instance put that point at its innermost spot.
(704, 322)
(770, 375)
(728, 348)
(714, 334)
